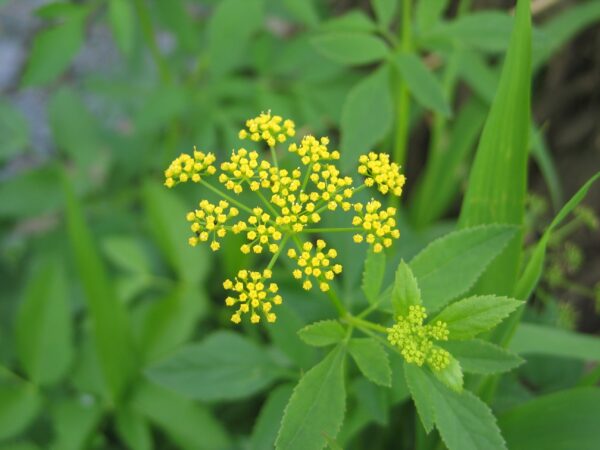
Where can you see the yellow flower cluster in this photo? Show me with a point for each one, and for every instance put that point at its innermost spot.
(378, 227)
(312, 150)
(415, 340)
(189, 168)
(253, 295)
(377, 169)
(290, 199)
(271, 129)
(317, 264)
(244, 166)
(260, 233)
(209, 221)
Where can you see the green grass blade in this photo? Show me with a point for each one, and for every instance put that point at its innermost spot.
(497, 184)
(109, 319)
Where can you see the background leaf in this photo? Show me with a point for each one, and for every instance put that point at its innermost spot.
(225, 365)
(350, 48)
(267, 423)
(421, 395)
(373, 274)
(477, 356)
(405, 290)
(372, 360)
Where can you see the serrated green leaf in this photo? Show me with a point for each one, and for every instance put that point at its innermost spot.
(482, 357)
(266, 426)
(52, 51)
(44, 327)
(316, 407)
(110, 321)
(188, 424)
(385, 10)
(373, 274)
(361, 131)
(498, 179)
(567, 419)
(405, 291)
(423, 85)
(464, 421)
(231, 25)
(20, 403)
(418, 384)
(224, 366)
(471, 316)
(325, 332)
(350, 48)
(122, 21)
(450, 266)
(14, 131)
(372, 360)
(451, 375)
(544, 340)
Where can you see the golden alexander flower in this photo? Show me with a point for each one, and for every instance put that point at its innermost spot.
(208, 222)
(316, 264)
(312, 150)
(378, 228)
(377, 169)
(268, 128)
(260, 232)
(415, 340)
(254, 295)
(186, 168)
(333, 188)
(243, 167)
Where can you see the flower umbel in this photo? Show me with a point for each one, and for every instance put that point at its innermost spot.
(415, 340)
(378, 227)
(290, 201)
(315, 264)
(271, 129)
(189, 168)
(254, 295)
(377, 169)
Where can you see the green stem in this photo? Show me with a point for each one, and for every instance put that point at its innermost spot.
(361, 323)
(274, 156)
(267, 204)
(276, 255)
(149, 36)
(225, 196)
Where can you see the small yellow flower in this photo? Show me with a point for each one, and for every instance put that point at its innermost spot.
(268, 128)
(378, 170)
(186, 168)
(260, 232)
(243, 167)
(415, 340)
(254, 295)
(317, 264)
(312, 150)
(334, 189)
(378, 228)
(208, 222)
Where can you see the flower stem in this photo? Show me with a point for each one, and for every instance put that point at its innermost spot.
(361, 323)
(266, 203)
(276, 255)
(274, 156)
(225, 196)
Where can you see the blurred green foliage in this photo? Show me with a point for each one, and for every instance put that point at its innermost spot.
(99, 284)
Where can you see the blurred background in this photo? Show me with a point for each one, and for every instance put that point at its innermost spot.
(97, 97)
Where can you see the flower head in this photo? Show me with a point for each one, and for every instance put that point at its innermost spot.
(271, 129)
(208, 222)
(254, 295)
(243, 167)
(415, 340)
(377, 169)
(378, 227)
(312, 150)
(186, 168)
(315, 262)
(260, 232)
